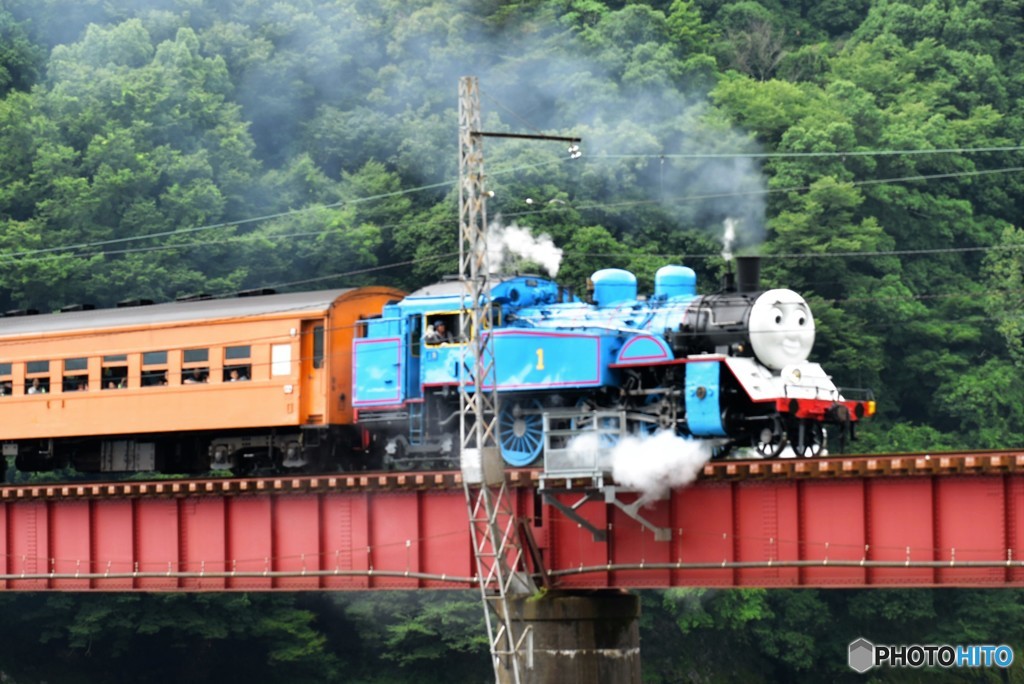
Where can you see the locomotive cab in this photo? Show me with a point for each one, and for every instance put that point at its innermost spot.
(408, 370)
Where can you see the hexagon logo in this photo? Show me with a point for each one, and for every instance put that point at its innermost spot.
(862, 655)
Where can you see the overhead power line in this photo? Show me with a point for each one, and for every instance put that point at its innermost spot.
(86, 248)
(798, 155)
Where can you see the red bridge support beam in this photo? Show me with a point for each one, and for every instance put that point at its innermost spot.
(363, 540)
(857, 531)
(943, 530)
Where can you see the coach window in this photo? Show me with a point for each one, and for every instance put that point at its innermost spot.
(195, 366)
(318, 346)
(37, 377)
(237, 363)
(154, 368)
(115, 371)
(6, 380)
(76, 375)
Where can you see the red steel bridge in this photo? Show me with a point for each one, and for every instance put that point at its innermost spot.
(866, 521)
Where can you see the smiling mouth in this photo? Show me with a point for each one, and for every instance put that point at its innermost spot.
(791, 346)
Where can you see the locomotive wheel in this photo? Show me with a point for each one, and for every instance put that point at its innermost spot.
(662, 407)
(521, 433)
(396, 456)
(811, 443)
(771, 439)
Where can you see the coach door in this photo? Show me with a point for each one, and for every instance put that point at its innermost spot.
(311, 367)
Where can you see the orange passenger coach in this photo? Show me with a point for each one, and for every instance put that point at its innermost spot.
(241, 383)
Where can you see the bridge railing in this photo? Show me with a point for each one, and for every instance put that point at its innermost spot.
(578, 443)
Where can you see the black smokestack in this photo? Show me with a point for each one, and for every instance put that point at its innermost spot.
(748, 273)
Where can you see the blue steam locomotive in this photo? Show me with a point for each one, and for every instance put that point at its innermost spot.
(730, 366)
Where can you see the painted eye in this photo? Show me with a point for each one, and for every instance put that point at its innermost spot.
(776, 313)
(778, 320)
(802, 321)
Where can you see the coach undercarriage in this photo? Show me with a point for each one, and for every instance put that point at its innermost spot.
(241, 452)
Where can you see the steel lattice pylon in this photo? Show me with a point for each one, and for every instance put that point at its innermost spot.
(496, 545)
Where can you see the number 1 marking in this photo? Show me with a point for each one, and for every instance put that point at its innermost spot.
(540, 359)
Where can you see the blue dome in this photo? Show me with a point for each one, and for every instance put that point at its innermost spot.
(613, 286)
(675, 281)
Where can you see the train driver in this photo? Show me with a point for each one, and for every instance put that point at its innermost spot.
(437, 333)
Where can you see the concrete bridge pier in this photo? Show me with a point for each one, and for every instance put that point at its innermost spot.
(577, 637)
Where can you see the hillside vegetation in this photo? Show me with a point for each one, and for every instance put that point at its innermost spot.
(870, 150)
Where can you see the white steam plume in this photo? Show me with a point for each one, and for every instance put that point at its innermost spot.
(728, 238)
(653, 464)
(507, 242)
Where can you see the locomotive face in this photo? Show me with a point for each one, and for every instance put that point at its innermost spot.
(781, 328)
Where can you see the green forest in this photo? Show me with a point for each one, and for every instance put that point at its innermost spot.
(869, 150)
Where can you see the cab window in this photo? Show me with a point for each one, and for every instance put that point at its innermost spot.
(415, 334)
(441, 329)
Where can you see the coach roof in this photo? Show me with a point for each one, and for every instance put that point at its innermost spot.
(172, 312)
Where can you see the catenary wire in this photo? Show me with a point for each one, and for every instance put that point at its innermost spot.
(692, 198)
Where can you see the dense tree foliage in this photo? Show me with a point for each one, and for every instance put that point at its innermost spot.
(869, 149)
(687, 635)
(786, 636)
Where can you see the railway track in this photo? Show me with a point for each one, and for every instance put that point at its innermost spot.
(870, 465)
(829, 467)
